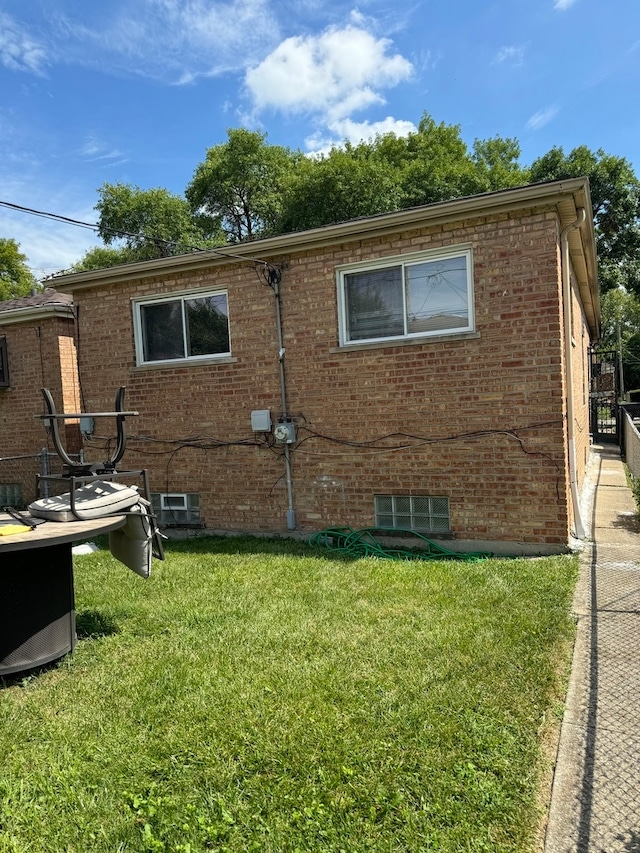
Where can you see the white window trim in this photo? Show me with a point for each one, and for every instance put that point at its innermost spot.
(405, 260)
(138, 304)
(167, 498)
(172, 515)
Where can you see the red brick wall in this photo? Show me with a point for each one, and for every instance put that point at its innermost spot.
(486, 412)
(580, 369)
(40, 354)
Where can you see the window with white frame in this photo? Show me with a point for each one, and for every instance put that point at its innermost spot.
(424, 513)
(178, 509)
(189, 326)
(407, 297)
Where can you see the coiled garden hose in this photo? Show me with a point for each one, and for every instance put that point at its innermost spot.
(364, 543)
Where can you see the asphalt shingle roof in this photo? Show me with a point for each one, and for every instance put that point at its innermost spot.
(47, 297)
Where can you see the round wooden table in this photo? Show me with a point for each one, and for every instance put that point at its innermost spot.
(37, 606)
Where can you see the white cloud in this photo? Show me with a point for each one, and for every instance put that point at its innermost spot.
(333, 74)
(18, 50)
(170, 40)
(357, 18)
(541, 118)
(514, 54)
(561, 5)
(95, 150)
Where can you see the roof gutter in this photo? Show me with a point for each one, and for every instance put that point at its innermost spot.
(502, 201)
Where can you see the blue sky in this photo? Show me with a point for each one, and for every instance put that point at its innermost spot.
(135, 91)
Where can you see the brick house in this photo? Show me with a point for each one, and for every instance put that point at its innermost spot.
(37, 349)
(421, 369)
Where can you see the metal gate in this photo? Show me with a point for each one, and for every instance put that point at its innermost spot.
(604, 395)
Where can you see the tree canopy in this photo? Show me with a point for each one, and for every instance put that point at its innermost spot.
(615, 196)
(246, 188)
(140, 225)
(16, 279)
(240, 186)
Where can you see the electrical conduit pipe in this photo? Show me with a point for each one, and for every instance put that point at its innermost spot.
(291, 513)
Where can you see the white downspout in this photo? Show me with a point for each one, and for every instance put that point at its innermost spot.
(566, 297)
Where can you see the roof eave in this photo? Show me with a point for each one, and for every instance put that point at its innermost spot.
(30, 314)
(582, 252)
(270, 247)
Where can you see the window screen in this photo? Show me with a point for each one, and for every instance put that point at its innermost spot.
(182, 328)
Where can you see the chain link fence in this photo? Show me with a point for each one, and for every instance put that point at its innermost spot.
(18, 477)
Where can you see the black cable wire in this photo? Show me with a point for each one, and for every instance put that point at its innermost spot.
(92, 226)
(267, 441)
(413, 439)
(207, 443)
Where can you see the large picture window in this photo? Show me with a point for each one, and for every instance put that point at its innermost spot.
(185, 327)
(410, 297)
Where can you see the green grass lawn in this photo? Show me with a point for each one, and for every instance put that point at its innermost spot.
(259, 695)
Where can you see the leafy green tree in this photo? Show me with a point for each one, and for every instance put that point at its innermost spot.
(247, 188)
(390, 173)
(437, 165)
(620, 327)
(16, 279)
(344, 184)
(620, 317)
(100, 257)
(240, 185)
(150, 223)
(631, 363)
(615, 196)
(497, 163)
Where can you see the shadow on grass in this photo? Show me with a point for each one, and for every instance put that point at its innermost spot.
(26, 676)
(93, 623)
(241, 543)
(244, 544)
(89, 624)
(372, 542)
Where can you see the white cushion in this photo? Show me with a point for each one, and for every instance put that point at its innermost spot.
(93, 500)
(132, 544)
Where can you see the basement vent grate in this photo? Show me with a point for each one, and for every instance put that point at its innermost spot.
(177, 509)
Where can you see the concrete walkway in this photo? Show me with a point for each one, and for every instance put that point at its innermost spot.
(595, 802)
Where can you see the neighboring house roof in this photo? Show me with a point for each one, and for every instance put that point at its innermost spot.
(569, 197)
(46, 303)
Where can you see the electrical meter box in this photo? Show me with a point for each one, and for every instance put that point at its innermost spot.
(261, 420)
(285, 432)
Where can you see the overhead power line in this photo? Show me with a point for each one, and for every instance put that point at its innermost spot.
(93, 226)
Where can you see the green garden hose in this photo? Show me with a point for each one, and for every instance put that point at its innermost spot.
(364, 543)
